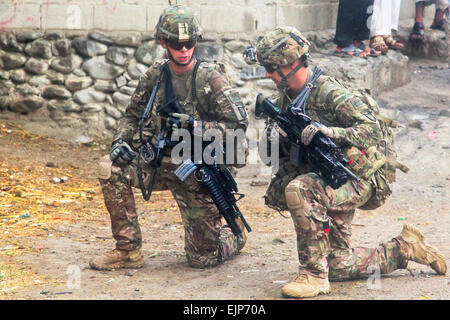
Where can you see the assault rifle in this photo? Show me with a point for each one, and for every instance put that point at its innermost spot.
(322, 152)
(221, 186)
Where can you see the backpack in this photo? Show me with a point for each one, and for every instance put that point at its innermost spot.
(386, 174)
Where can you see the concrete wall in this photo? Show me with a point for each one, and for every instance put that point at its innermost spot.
(141, 15)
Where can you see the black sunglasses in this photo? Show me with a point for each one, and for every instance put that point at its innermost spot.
(271, 67)
(179, 45)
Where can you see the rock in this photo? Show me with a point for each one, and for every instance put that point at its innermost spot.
(135, 70)
(128, 41)
(210, 36)
(27, 104)
(133, 83)
(79, 73)
(75, 84)
(243, 92)
(93, 108)
(88, 48)
(235, 45)
(55, 77)
(210, 51)
(121, 99)
(12, 60)
(18, 76)
(72, 107)
(119, 55)
(53, 35)
(121, 81)
(89, 95)
(147, 37)
(29, 36)
(113, 112)
(83, 139)
(9, 43)
(100, 37)
(61, 47)
(253, 72)
(109, 99)
(238, 61)
(55, 105)
(110, 123)
(444, 113)
(266, 83)
(6, 87)
(39, 48)
(36, 66)
(148, 53)
(4, 75)
(56, 92)
(27, 90)
(98, 68)
(65, 105)
(105, 86)
(5, 101)
(39, 81)
(127, 90)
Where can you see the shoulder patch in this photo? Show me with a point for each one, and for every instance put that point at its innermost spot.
(369, 115)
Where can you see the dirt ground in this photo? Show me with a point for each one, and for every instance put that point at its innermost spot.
(53, 256)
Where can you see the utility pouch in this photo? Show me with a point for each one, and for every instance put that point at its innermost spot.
(365, 163)
(382, 191)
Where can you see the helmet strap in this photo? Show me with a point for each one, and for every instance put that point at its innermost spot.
(284, 78)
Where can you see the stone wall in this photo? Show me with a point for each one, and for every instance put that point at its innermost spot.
(81, 82)
(141, 15)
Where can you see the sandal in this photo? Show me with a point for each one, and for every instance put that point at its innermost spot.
(417, 33)
(378, 44)
(439, 25)
(365, 48)
(344, 52)
(391, 43)
(349, 51)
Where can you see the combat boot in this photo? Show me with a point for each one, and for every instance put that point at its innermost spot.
(306, 286)
(418, 251)
(117, 259)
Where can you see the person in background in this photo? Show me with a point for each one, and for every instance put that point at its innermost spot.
(441, 17)
(385, 18)
(351, 28)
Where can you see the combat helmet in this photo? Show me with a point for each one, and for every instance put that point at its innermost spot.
(178, 23)
(282, 47)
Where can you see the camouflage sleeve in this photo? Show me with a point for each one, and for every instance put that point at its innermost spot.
(225, 105)
(128, 124)
(357, 124)
(225, 111)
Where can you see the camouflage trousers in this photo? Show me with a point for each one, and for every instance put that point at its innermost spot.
(314, 207)
(207, 241)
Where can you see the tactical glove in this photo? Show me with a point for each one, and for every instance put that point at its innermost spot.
(180, 121)
(310, 131)
(121, 153)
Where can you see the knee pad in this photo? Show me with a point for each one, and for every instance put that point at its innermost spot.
(294, 198)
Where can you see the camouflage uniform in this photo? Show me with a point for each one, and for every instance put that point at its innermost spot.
(219, 106)
(315, 206)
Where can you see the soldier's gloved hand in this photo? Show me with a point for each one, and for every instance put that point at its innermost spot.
(121, 153)
(272, 130)
(180, 121)
(310, 131)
